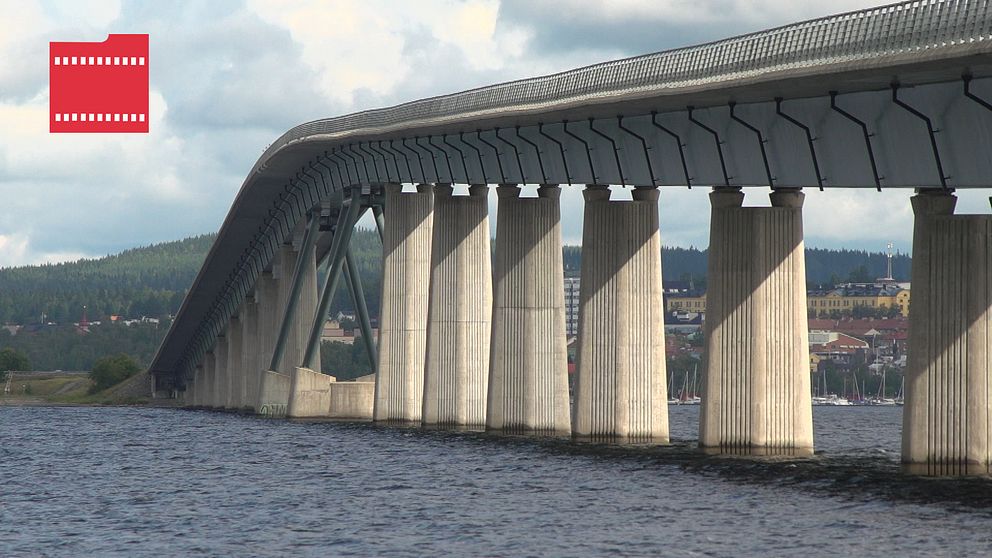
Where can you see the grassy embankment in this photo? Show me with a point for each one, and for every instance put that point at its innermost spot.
(72, 389)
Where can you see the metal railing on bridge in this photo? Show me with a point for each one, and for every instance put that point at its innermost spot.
(913, 26)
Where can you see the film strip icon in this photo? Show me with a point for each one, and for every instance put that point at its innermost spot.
(99, 87)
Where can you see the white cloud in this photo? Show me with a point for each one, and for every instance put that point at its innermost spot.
(146, 163)
(92, 14)
(229, 76)
(15, 250)
(370, 45)
(697, 11)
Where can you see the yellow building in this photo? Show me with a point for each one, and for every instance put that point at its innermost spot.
(844, 298)
(685, 302)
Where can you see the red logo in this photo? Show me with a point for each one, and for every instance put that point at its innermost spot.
(99, 87)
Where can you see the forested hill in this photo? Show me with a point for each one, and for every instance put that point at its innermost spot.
(147, 281)
(823, 267)
(151, 281)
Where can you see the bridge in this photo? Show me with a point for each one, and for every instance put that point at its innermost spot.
(473, 335)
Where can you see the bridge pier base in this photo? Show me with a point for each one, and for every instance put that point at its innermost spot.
(621, 387)
(309, 394)
(756, 394)
(406, 246)
(947, 420)
(456, 375)
(528, 375)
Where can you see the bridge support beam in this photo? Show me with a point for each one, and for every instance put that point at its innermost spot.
(947, 420)
(756, 392)
(235, 373)
(621, 389)
(528, 370)
(461, 297)
(406, 246)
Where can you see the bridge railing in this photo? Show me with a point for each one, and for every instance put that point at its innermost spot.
(900, 28)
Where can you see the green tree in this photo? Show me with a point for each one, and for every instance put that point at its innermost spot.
(112, 370)
(12, 359)
(859, 274)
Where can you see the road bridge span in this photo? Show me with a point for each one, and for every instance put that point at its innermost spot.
(893, 97)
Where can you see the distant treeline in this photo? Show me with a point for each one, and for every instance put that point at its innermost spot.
(153, 280)
(149, 281)
(65, 347)
(824, 268)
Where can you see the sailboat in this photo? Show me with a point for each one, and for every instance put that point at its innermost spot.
(880, 398)
(672, 400)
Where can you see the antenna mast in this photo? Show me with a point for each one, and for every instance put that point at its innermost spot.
(888, 275)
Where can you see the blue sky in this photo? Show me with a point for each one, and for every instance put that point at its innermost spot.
(228, 77)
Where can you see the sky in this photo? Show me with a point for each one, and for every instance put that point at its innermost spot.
(229, 77)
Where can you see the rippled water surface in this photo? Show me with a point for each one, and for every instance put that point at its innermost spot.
(154, 482)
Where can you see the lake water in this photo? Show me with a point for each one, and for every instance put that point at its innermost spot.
(78, 481)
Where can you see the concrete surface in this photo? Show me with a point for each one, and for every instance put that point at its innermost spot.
(621, 386)
(456, 375)
(756, 387)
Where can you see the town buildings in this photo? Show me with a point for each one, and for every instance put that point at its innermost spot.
(847, 298)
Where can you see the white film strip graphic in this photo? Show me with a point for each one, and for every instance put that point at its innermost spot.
(99, 61)
(99, 117)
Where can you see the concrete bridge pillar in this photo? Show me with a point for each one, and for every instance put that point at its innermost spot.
(275, 385)
(528, 370)
(200, 383)
(221, 370)
(296, 348)
(249, 353)
(235, 372)
(267, 300)
(299, 331)
(456, 375)
(621, 388)
(207, 383)
(406, 246)
(193, 389)
(947, 418)
(308, 309)
(756, 391)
